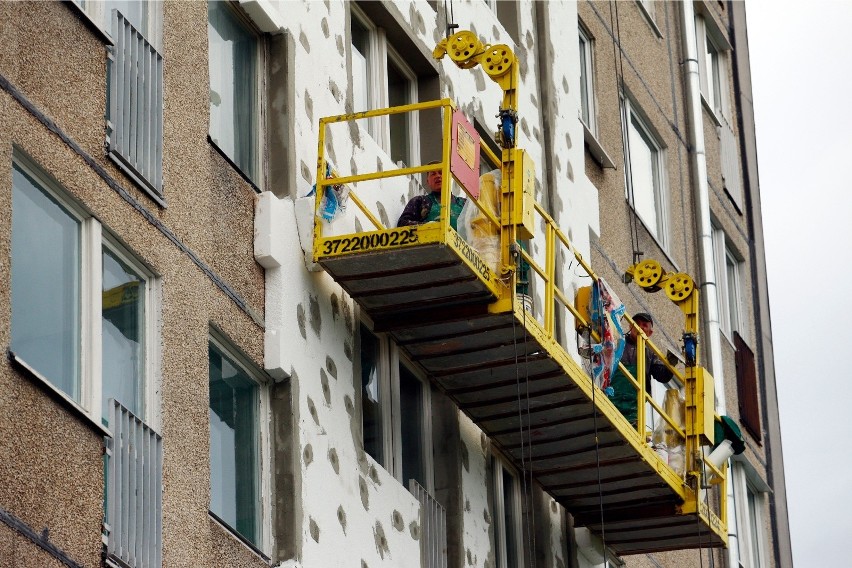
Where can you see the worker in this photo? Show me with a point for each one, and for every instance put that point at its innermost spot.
(427, 208)
(624, 394)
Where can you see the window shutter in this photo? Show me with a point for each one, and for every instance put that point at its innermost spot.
(135, 125)
(747, 387)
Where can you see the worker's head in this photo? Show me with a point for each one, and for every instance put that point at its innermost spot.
(434, 179)
(645, 323)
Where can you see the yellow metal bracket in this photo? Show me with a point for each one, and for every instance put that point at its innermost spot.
(700, 403)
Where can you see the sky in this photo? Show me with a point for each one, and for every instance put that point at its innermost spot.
(800, 64)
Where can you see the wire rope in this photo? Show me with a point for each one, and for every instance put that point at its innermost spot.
(618, 64)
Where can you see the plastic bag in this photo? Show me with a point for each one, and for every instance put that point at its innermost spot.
(668, 444)
(334, 197)
(477, 229)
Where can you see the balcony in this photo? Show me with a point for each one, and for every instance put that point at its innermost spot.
(463, 320)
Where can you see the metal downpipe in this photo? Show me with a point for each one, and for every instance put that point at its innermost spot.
(698, 158)
(709, 290)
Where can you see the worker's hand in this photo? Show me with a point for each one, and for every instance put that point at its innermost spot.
(672, 358)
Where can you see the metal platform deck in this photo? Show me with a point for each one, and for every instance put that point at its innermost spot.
(524, 391)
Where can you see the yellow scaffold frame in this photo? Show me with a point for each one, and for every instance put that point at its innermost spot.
(502, 285)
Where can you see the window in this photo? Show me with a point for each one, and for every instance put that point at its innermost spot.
(712, 65)
(381, 78)
(134, 87)
(507, 14)
(66, 269)
(234, 93)
(645, 174)
(46, 284)
(749, 510)
(587, 90)
(504, 497)
(648, 10)
(238, 407)
(83, 320)
(728, 284)
(395, 403)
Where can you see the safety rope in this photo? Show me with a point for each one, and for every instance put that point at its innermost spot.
(451, 18)
(597, 448)
(529, 439)
(526, 446)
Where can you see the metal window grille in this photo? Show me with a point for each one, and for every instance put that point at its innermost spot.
(135, 125)
(134, 491)
(730, 162)
(433, 528)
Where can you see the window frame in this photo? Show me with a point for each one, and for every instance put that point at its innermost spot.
(380, 54)
(499, 468)
(93, 239)
(647, 9)
(729, 294)
(257, 176)
(632, 116)
(587, 80)
(712, 51)
(749, 515)
(388, 367)
(263, 476)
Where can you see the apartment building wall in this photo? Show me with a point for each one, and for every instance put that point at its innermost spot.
(639, 56)
(198, 250)
(325, 501)
(348, 499)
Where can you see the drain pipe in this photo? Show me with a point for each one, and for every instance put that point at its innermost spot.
(698, 159)
(709, 291)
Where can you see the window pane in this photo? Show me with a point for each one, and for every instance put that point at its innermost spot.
(371, 397)
(733, 292)
(509, 519)
(411, 427)
(584, 80)
(712, 64)
(360, 66)
(399, 93)
(755, 534)
(233, 80)
(234, 471)
(45, 285)
(643, 171)
(123, 329)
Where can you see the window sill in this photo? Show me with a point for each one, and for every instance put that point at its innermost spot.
(89, 22)
(709, 108)
(596, 149)
(243, 540)
(63, 399)
(140, 181)
(649, 19)
(228, 159)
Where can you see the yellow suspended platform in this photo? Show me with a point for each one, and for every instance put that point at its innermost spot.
(469, 332)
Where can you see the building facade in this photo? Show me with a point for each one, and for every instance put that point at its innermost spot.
(185, 385)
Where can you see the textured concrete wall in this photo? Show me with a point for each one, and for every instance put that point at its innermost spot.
(200, 243)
